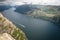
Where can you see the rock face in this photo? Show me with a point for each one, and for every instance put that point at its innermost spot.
(7, 26)
(6, 36)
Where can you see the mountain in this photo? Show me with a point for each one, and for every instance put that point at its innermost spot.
(4, 7)
(30, 7)
(23, 9)
(6, 26)
(46, 12)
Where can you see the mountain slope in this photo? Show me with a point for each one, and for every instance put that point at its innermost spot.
(7, 26)
(46, 12)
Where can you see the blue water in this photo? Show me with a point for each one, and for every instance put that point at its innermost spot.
(35, 29)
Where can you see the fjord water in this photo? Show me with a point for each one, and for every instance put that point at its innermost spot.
(35, 29)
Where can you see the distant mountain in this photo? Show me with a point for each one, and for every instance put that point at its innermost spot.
(45, 8)
(23, 9)
(4, 7)
(2, 0)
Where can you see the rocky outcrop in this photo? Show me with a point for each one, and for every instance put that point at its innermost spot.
(6, 36)
(7, 26)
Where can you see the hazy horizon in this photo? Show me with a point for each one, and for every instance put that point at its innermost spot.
(41, 2)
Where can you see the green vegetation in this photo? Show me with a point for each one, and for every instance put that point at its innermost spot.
(18, 35)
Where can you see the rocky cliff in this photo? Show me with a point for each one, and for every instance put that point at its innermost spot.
(7, 26)
(6, 36)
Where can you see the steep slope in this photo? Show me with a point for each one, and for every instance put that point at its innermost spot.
(51, 16)
(6, 36)
(7, 26)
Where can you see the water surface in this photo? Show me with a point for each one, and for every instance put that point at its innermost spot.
(35, 29)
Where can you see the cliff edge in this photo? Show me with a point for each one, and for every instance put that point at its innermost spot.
(6, 26)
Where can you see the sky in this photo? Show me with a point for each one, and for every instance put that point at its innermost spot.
(41, 2)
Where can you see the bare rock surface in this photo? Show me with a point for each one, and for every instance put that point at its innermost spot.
(6, 36)
(6, 26)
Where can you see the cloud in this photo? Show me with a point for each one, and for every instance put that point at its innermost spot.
(51, 2)
(42, 2)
